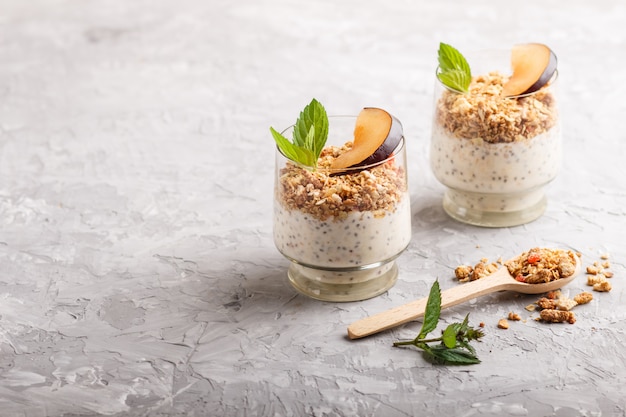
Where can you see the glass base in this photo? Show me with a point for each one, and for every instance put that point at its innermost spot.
(495, 210)
(343, 285)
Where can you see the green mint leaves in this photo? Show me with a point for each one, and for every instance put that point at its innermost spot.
(454, 71)
(309, 136)
(453, 346)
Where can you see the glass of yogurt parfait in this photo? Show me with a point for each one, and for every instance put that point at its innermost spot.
(342, 227)
(497, 145)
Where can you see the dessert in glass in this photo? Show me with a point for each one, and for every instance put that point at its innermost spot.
(344, 219)
(496, 145)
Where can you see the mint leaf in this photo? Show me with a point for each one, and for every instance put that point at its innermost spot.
(454, 71)
(453, 347)
(449, 335)
(309, 135)
(311, 130)
(442, 355)
(433, 311)
(294, 152)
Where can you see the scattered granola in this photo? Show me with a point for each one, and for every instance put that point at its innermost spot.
(598, 273)
(560, 302)
(603, 286)
(583, 298)
(595, 279)
(484, 114)
(547, 303)
(557, 316)
(565, 304)
(503, 324)
(514, 316)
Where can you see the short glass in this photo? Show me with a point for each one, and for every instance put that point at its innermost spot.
(495, 155)
(342, 230)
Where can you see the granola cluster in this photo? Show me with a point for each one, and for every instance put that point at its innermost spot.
(483, 268)
(325, 195)
(485, 114)
(556, 308)
(540, 265)
(535, 266)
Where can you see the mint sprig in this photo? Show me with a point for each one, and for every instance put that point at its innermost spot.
(309, 136)
(453, 346)
(454, 71)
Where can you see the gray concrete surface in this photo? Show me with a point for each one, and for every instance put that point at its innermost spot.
(138, 275)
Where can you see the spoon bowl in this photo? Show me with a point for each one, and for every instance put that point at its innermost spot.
(498, 281)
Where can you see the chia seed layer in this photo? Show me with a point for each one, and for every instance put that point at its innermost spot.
(359, 239)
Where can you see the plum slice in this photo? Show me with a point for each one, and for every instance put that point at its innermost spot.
(533, 66)
(376, 135)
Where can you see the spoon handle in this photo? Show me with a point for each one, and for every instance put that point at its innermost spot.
(499, 280)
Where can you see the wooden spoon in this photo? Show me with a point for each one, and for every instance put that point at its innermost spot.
(498, 281)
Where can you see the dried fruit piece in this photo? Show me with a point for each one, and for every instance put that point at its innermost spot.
(534, 65)
(376, 135)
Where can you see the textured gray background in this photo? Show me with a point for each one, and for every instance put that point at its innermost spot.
(138, 275)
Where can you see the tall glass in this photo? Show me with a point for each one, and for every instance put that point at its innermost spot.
(495, 154)
(342, 230)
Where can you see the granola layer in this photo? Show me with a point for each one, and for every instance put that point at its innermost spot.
(324, 195)
(484, 114)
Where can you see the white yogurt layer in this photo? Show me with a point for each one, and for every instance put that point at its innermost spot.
(496, 176)
(356, 241)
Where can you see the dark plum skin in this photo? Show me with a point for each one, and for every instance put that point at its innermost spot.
(546, 76)
(384, 151)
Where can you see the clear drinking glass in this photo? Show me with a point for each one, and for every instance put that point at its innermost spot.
(495, 155)
(342, 230)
